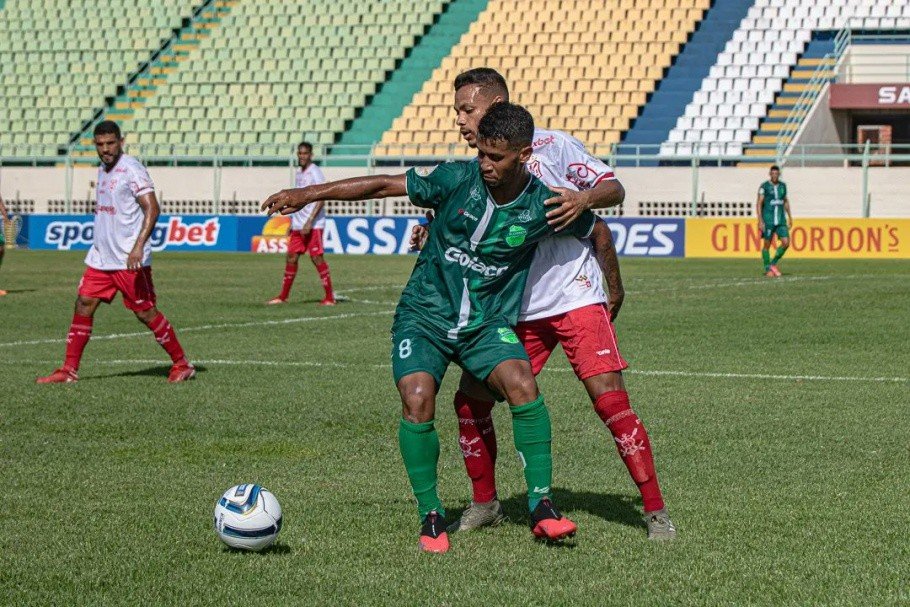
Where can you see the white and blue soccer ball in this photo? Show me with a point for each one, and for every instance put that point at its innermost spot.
(248, 517)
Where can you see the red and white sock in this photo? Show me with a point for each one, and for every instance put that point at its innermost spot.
(290, 272)
(165, 335)
(632, 442)
(77, 338)
(326, 279)
(477, 438)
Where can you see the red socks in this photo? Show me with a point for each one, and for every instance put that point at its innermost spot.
(632, 443)
(477, 438)
(326, 279)
(77, 338)
(165, 335)
(290, 272)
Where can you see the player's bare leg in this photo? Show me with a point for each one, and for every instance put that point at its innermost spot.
(419, 445)
(784, 245)
(290, 273)
(611, 402)
(181, 370)
(477, 438)
(533, 437)
(322, 268)
(766, 258)
(76, 339)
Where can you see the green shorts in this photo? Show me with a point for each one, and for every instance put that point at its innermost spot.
(781, 230)
(417, 346)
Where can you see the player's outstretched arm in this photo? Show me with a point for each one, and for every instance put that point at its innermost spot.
(758, 205)
(289, 201)
(605, 252)
(570, 204)
(787, 209)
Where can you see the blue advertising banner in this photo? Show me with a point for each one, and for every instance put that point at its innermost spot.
(640, 237)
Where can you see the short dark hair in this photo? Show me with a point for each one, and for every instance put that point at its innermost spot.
(774, 167)
(486, 77)
(107, 127)
(509, 122)
(305, 144)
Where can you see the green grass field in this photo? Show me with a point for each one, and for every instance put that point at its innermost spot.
(779, 412)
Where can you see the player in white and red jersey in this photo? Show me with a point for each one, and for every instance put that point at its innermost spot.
(307, 226)
(120, 257)
(564, 303)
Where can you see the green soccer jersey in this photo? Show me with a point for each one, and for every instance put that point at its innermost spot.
(773, 206)
(475, 263)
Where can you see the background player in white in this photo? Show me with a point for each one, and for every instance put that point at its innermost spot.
(305, 236)
(120, 258)
(564, 303)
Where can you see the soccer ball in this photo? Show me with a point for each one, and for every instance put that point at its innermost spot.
(248, 517)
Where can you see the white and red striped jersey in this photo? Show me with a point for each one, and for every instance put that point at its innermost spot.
(309, 176)
(564, 274)
(118, 216)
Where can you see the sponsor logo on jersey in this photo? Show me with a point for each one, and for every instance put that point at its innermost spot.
(583, 280)
(525, 216)
(425, 171)
(516, 235)
(468, 215)
(544, 141)
(507, 335)
(465, 260)
(64, 235)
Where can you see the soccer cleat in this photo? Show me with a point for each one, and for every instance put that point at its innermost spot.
(181, 372)
(2, 293)
(487, 514)
(770, 274)
(60, 376)
(776, 271)
(327, 302)
(660, 527)
(547, 523)
(433, 536)
(276, 300)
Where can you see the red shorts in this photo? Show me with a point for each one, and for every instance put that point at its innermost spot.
(587, 337)
(306, 243)
(137, 288)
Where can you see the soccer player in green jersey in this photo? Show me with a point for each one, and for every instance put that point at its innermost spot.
(2, 236)
(773, 210)
(462, 300)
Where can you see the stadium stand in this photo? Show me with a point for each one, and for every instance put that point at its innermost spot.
(757, 61)
(278, 71)
(562, 59)
(55, 71)
(684, 77)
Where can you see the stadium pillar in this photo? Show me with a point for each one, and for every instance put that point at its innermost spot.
(694, 210)
(68, 182)
(866, 200)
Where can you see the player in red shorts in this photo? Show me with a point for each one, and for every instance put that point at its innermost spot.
(564, 303)
(307, 225)
(120, 257)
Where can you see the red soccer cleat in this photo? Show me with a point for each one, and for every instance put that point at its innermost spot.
(275, 301)
(2, 293)
(547, 523)
(770, 274)
(433, 536)
(776, 271)
(181, 372)
(60, 376)
(328, 302)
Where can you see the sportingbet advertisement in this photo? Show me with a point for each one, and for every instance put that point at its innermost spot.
(809, 238)
(171, 232)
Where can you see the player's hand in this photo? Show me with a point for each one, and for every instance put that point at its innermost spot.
(306, 230)
(420, 233)
(286, 202)
(134, 259)
(569, 207)
(615, 303)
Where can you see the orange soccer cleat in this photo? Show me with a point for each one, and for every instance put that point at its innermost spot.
(433, 536)
(776, 271)
(547, 523)
(60, 376)
(275, 301)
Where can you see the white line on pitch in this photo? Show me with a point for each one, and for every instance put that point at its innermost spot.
(342, 365)
(227, 325)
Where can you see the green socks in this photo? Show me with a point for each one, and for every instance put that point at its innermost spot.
(531, 427)
(766, 258)
(780, 253)
(419, 445)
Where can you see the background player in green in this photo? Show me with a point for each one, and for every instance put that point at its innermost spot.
(462, 300)
(3, 216)
(773, 210)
